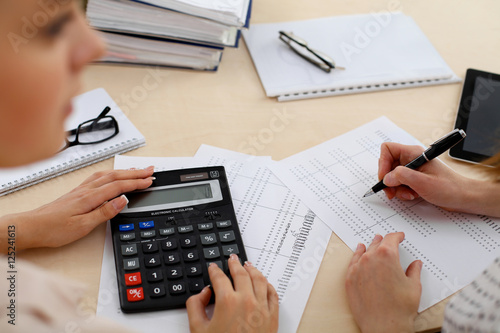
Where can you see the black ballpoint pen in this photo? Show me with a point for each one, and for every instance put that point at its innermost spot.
(436, 149)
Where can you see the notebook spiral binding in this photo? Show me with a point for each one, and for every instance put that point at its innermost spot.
(362, 88)
(72, 165)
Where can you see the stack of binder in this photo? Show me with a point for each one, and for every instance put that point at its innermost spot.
(174, 33)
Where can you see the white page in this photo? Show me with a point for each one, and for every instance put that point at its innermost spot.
(160, 163)
(233, 6)
(232, 12)
(272, 221)
(378, 51)
(331, 179)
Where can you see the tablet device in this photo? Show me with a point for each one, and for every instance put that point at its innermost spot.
(479, 116)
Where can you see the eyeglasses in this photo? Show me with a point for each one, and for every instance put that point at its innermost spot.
(299, 46)
(93, 131)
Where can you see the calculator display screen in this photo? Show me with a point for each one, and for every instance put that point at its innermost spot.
(169, 195)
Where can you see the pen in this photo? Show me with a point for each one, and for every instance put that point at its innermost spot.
(299, 46)
(436, 149)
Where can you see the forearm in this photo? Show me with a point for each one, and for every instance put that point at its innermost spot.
(484, 198)
(13, 231)
(396, 325)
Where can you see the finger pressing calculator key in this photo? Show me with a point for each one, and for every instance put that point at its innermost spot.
(168, 234)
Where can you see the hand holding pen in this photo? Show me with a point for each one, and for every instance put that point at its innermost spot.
(393, 154)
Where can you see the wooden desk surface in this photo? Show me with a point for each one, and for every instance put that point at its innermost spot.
(229, 108)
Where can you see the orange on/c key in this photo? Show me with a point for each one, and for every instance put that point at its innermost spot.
(132, 279)
(135, 294)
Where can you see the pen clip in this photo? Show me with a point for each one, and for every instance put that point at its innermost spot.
(452, 133)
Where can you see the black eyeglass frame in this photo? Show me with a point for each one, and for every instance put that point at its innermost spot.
(92, 123)
(322, 61)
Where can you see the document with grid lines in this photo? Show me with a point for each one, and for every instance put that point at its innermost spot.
(331, 179)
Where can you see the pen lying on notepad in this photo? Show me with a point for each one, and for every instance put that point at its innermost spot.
(300, 47)
(436, 149)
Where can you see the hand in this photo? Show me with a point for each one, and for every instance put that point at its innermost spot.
(434, 181)
(251, 306)
(382, 297)
(77, 213)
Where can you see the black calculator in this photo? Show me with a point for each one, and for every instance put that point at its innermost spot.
(168, 234)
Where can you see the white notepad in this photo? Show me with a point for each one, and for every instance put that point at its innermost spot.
(86, 106)
(379, 51)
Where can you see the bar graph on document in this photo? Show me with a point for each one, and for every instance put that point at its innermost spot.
(331, 179)
(278, 230)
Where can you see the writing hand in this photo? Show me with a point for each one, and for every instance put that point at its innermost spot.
(434, 181)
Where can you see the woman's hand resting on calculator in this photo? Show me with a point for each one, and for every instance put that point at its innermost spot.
(78, 212)
(251, 306)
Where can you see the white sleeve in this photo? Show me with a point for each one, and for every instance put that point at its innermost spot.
(477, 307)
(34, 300)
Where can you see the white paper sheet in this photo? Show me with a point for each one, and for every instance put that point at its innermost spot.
(282, 238)
(160, 163)
(331, 179)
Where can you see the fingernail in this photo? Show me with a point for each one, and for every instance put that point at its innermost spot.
(212, 264)
(248, 263)
(360, 245)
(205, 289)
(407, 196)
(152, 178)
(388, 179)
(120, 204)
(233, 257)
(150, 168)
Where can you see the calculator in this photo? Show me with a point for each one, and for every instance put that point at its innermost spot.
(168, 234)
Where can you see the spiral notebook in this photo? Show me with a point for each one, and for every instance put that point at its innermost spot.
(379, 51)
(85, 107)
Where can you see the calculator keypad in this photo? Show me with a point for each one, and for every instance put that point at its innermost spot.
(165, 261)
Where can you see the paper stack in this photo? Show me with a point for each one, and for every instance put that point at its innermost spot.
(174, 33)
